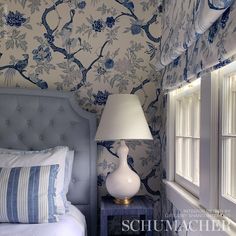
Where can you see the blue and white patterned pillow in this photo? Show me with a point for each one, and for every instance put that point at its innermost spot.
(45, 157)
(22, 153)
(28, 194)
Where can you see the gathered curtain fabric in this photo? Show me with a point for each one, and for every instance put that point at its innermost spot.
(197, 35)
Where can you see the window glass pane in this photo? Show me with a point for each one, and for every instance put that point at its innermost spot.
(187, 126)
(187, 114)
(187, 159)
(196, 115)
(229, 167)
(229, 105)
(229, 137)
(179, 155)
(233, 105)
(196, 154)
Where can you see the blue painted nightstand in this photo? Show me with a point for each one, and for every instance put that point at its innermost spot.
(140, 207)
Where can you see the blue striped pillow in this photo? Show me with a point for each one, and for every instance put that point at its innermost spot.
(28, 194)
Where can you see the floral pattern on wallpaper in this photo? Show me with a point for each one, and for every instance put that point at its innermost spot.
(92, 48)
(73, 39)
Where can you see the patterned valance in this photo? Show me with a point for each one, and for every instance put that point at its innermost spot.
(183, 23)
(214, 48)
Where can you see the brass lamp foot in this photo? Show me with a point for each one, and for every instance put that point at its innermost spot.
(125, 201)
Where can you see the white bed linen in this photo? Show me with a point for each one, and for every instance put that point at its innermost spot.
(71, 224)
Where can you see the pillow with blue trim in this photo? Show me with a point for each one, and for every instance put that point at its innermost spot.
(53, 152)
(29, 194)
(53, 156)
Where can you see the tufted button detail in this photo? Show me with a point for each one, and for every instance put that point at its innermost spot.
(61, 109)
(41, 137)
(19, 108)
(29, 123)
(74, 180)
(8, 123)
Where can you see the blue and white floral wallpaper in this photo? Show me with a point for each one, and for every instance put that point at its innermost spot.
(92, 48)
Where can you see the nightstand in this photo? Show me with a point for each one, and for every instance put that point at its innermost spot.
(140, 207)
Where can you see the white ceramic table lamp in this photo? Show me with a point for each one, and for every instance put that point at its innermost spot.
(123, 119)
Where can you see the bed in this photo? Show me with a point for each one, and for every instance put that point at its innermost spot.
(36, 120)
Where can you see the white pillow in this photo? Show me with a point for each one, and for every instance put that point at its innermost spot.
(52, 156)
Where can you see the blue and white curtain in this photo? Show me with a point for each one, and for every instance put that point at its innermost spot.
(197, 35)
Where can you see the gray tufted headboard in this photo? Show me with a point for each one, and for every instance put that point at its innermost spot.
(36, 119)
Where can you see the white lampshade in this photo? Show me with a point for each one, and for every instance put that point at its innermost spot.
(123, 119)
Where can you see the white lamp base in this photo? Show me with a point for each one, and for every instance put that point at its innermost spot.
(123, 183)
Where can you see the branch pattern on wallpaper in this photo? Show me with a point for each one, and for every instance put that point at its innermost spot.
(68, 39)
(42, 55)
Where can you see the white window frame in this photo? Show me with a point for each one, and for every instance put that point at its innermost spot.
(190, 186)
(208, 190)
(224, 203)
(171, 115)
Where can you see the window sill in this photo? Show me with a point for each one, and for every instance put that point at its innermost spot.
(189, 204)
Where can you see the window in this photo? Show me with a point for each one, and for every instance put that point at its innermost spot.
(228, 140)
(201, 140)
(187, 135)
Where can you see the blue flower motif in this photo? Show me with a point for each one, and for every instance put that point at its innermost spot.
(110, 21)
(49, 37)
(42, 54)
(97, 25)
(15, 19)
(160, 9)
(109, 63)
(136, 29)
(128, 4)
(101, 97)
(82, 5)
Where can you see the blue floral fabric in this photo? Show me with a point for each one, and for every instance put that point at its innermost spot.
(184, 23)
(213, 49)
(15, 19)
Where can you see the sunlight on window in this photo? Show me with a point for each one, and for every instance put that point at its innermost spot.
(229, 136)
(187, 131)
